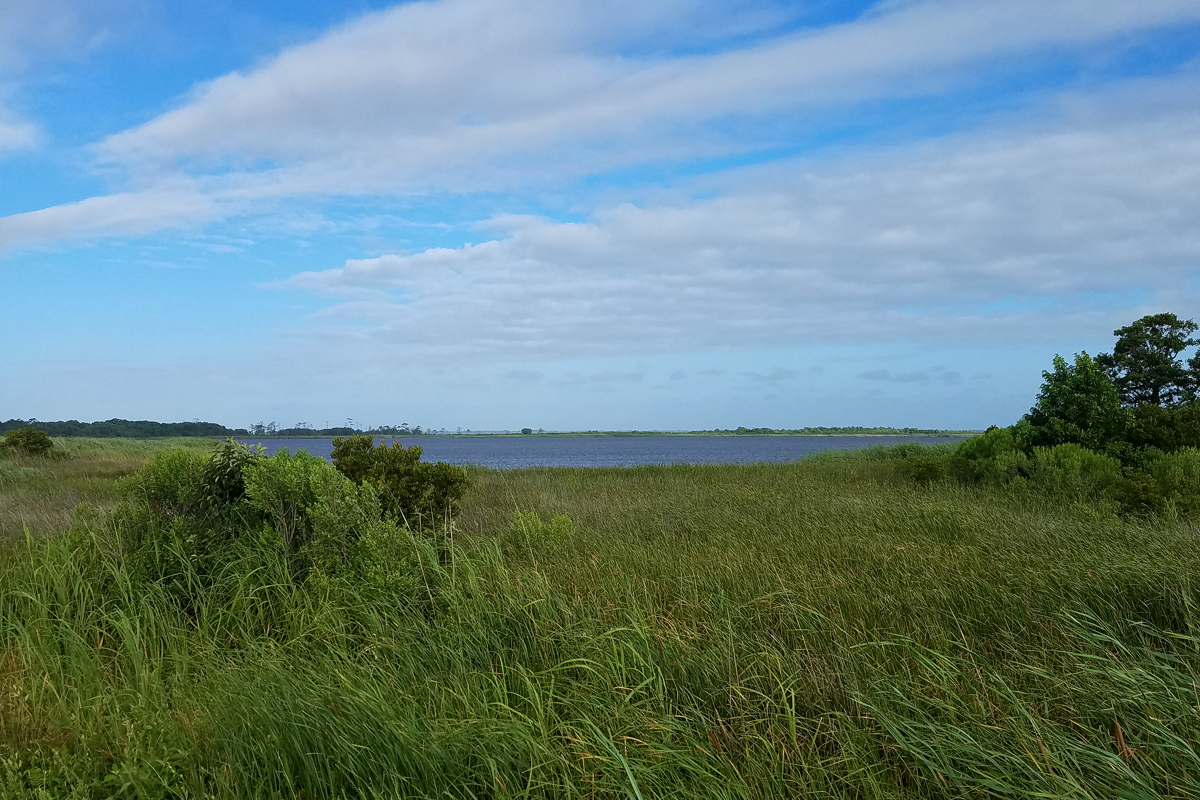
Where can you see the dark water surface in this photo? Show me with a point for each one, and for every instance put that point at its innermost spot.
(513, 452)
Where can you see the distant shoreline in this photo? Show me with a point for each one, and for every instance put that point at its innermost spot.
(598, 434)
(147, 429)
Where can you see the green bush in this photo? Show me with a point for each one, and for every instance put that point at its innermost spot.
(1161, 483)
(1000, 458)
(283, 487)
(1079, 404)
(223, 482)
(980, 458)
(188, 518)
(171, 483)
(28, 441)
(1071, 470)
(413, 492)
(184, 518)
(353, 546)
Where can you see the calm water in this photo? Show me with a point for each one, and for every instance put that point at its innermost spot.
(512, 452)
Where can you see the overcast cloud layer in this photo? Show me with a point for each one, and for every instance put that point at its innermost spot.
(705, 180)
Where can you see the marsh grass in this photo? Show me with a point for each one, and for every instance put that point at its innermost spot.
(40, 494)
(824, 628)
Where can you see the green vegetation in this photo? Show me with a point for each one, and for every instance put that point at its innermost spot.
(120, 428)
(1120, 429)
(1011, 616)
(842, 431)
(852, 625)
(415, 492)
(41, 493)
(27, 441)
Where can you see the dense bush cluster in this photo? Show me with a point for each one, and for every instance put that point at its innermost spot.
(1122, 429)
(124, 428)
(413, 491)
(27, 441)
(187, 516)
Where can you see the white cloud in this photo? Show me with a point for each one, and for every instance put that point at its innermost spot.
(127, 214)
(967, 237)
(16, 134)
(33, 31)
(467, 94)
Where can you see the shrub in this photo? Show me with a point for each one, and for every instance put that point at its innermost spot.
(223, 482)
(188, 518)
(1001, 457)
(1162, 483)
(171, 483)
(414, 492)
(1069, 469)
(1139, 494)
(28, 441)
(284, 487)
(353, 546)
(184, 516)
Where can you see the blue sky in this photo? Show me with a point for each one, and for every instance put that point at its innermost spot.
(610, 214)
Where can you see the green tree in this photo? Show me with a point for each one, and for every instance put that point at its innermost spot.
(1078, 404)
(1145, 364)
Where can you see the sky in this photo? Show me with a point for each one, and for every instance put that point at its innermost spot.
(603, 214)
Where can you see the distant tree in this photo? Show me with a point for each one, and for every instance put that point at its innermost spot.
(526, 431)
(1078, 404)
(1145, 364)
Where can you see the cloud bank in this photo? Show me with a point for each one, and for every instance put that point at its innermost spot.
(1014, 235)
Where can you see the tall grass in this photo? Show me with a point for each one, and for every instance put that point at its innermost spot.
(41, 494)
(825, 628)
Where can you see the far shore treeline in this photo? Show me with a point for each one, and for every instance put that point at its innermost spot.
(147, 429)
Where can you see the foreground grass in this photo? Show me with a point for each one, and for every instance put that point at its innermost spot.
(825, 628)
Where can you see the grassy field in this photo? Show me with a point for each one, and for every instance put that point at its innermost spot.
(823, 628)
(41, 494)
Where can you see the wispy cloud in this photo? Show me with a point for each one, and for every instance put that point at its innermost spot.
(936, 374)
(776, 375)
(468, 95)
(36, 31)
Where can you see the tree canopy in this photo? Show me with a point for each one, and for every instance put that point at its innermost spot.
(1145, 364)
(1078, 404)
